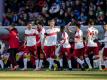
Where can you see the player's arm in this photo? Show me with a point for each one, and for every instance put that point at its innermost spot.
(64, 38)
(67, 27)
(103, 40)
(79, 36)
(25, 38)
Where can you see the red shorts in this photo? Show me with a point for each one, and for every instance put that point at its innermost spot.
(65, 51)
(95, 50)
(78, 52)
(49, 51)
(105, 52)
(31, 49)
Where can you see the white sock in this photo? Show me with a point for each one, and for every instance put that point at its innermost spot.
(37, 63)
(97, 63)
(105, 63)
(51, 63)
(25, 63)
(1, 63)
(88, 62)
(48, 59)
(80, 61)
(61, 62)
(40, 64)
(69, 64)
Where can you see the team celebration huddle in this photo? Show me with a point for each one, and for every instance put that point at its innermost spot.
(51, 49)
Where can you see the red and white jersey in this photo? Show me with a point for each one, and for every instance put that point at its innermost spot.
(30, 37)
(104, 40)
(92, 35)
(65, 40)
(79, 39)
(40, 37)
(51, 38)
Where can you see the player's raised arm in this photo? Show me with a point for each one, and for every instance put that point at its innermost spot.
(67, 27)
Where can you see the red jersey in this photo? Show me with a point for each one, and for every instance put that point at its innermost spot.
(13, 38)
(40, 36)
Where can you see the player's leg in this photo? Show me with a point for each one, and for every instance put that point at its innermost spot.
(61, 58)
(1, 62)
(41, 54)
(105, 57)
(13, 58)
(97, 61)
(25, 60)
(26, 57)
(47, 53)
(68, 53)
(86, 53)
(34, 50)
(76, 54)
(52, 56)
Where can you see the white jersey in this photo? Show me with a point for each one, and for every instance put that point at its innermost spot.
(65, 40)
(79, 40)
(51, 38)
(92, 35)
(31, 40)
(104, 40)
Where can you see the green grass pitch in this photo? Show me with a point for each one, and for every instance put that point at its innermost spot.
(53, 75)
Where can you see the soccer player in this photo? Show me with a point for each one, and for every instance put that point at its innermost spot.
(13, 46)
(92, 45)
(40, 39)
(79, 46)
(24, 53)
(105, 47)
(30, 41)
(50, 42)
(65, 49)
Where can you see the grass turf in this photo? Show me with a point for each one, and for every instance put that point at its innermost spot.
(53, 75)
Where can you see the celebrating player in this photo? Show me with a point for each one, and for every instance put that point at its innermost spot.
(30, 40)
(40, 39)
(79, 46)
(65, 49)
(50, 42)
(92, 45)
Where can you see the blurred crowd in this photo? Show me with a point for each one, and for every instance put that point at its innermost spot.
(20, 12)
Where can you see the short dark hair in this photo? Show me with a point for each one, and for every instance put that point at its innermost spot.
(29, 22)
(62, 28)
(91, 22)
(40, 23)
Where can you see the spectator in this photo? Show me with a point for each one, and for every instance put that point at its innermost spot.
(23, 11)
